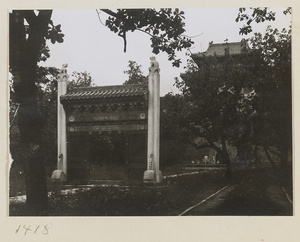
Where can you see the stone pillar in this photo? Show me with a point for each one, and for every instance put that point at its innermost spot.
(61, 172)
(153, 174)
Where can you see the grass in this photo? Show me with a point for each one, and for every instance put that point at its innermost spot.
(169, 198)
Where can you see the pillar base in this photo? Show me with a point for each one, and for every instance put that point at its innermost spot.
(58, 175)
(149, 177)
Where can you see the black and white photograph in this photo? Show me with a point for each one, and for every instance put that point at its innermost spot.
(150, 113)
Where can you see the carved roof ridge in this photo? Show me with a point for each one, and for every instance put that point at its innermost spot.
(106, 92)
(112, 87)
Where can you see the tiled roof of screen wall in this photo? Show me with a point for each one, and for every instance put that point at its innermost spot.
(105, 93)
(234, 48)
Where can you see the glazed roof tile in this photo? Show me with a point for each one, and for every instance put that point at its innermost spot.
(234, 48)
(105, 92)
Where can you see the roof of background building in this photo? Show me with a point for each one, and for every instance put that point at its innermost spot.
(234, 48)
(105, 92)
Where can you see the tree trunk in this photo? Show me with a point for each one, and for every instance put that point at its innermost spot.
(30, 123)
(35, 181)
(226, 158)
(25, 51)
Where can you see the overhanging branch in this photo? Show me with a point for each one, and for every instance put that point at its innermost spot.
(109, 12)
(98, 13)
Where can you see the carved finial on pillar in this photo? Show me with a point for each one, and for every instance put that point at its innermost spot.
(63, 72)
(154, 66)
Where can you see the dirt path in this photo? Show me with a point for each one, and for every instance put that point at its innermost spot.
(252, 196)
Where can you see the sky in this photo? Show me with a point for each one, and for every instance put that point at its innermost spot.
(90, 46)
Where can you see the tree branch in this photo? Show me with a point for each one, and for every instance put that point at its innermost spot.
(123, 35)
(98, 13)
(109, 12)
(192, 37)
(210, 145)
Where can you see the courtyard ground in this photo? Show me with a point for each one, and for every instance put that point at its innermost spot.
(249, 192)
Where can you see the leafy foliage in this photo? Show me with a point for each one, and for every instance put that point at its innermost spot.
(135, 75)
(225, 113)
(214, 91)
(28, 32)
(273, 87)
(257, 15)
(175, 134)
(272, 84)
(165, 26)
(80, 79)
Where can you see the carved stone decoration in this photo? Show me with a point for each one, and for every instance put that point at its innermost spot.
(154, 66)
(61, 172)
(153, 174)
(63, 72)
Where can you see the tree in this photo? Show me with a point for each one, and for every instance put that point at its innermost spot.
(175, 135)
(80, 79)
(213, 86)
(47, 103)
(257, 15)
(28, 32)
(224, 113)
(165, 27)
(273, 99)
(135, 75)
(273, 87)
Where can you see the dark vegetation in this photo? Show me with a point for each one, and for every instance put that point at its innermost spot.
(251, 192)
(170, 198)
(256, 193)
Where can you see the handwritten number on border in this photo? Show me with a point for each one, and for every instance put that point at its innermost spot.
(27, 229)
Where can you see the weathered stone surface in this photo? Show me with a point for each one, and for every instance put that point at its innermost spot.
(149, 176)
(153, 174)
(58, 175)
(61, 121)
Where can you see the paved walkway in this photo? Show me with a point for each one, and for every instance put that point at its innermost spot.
(253, 196)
